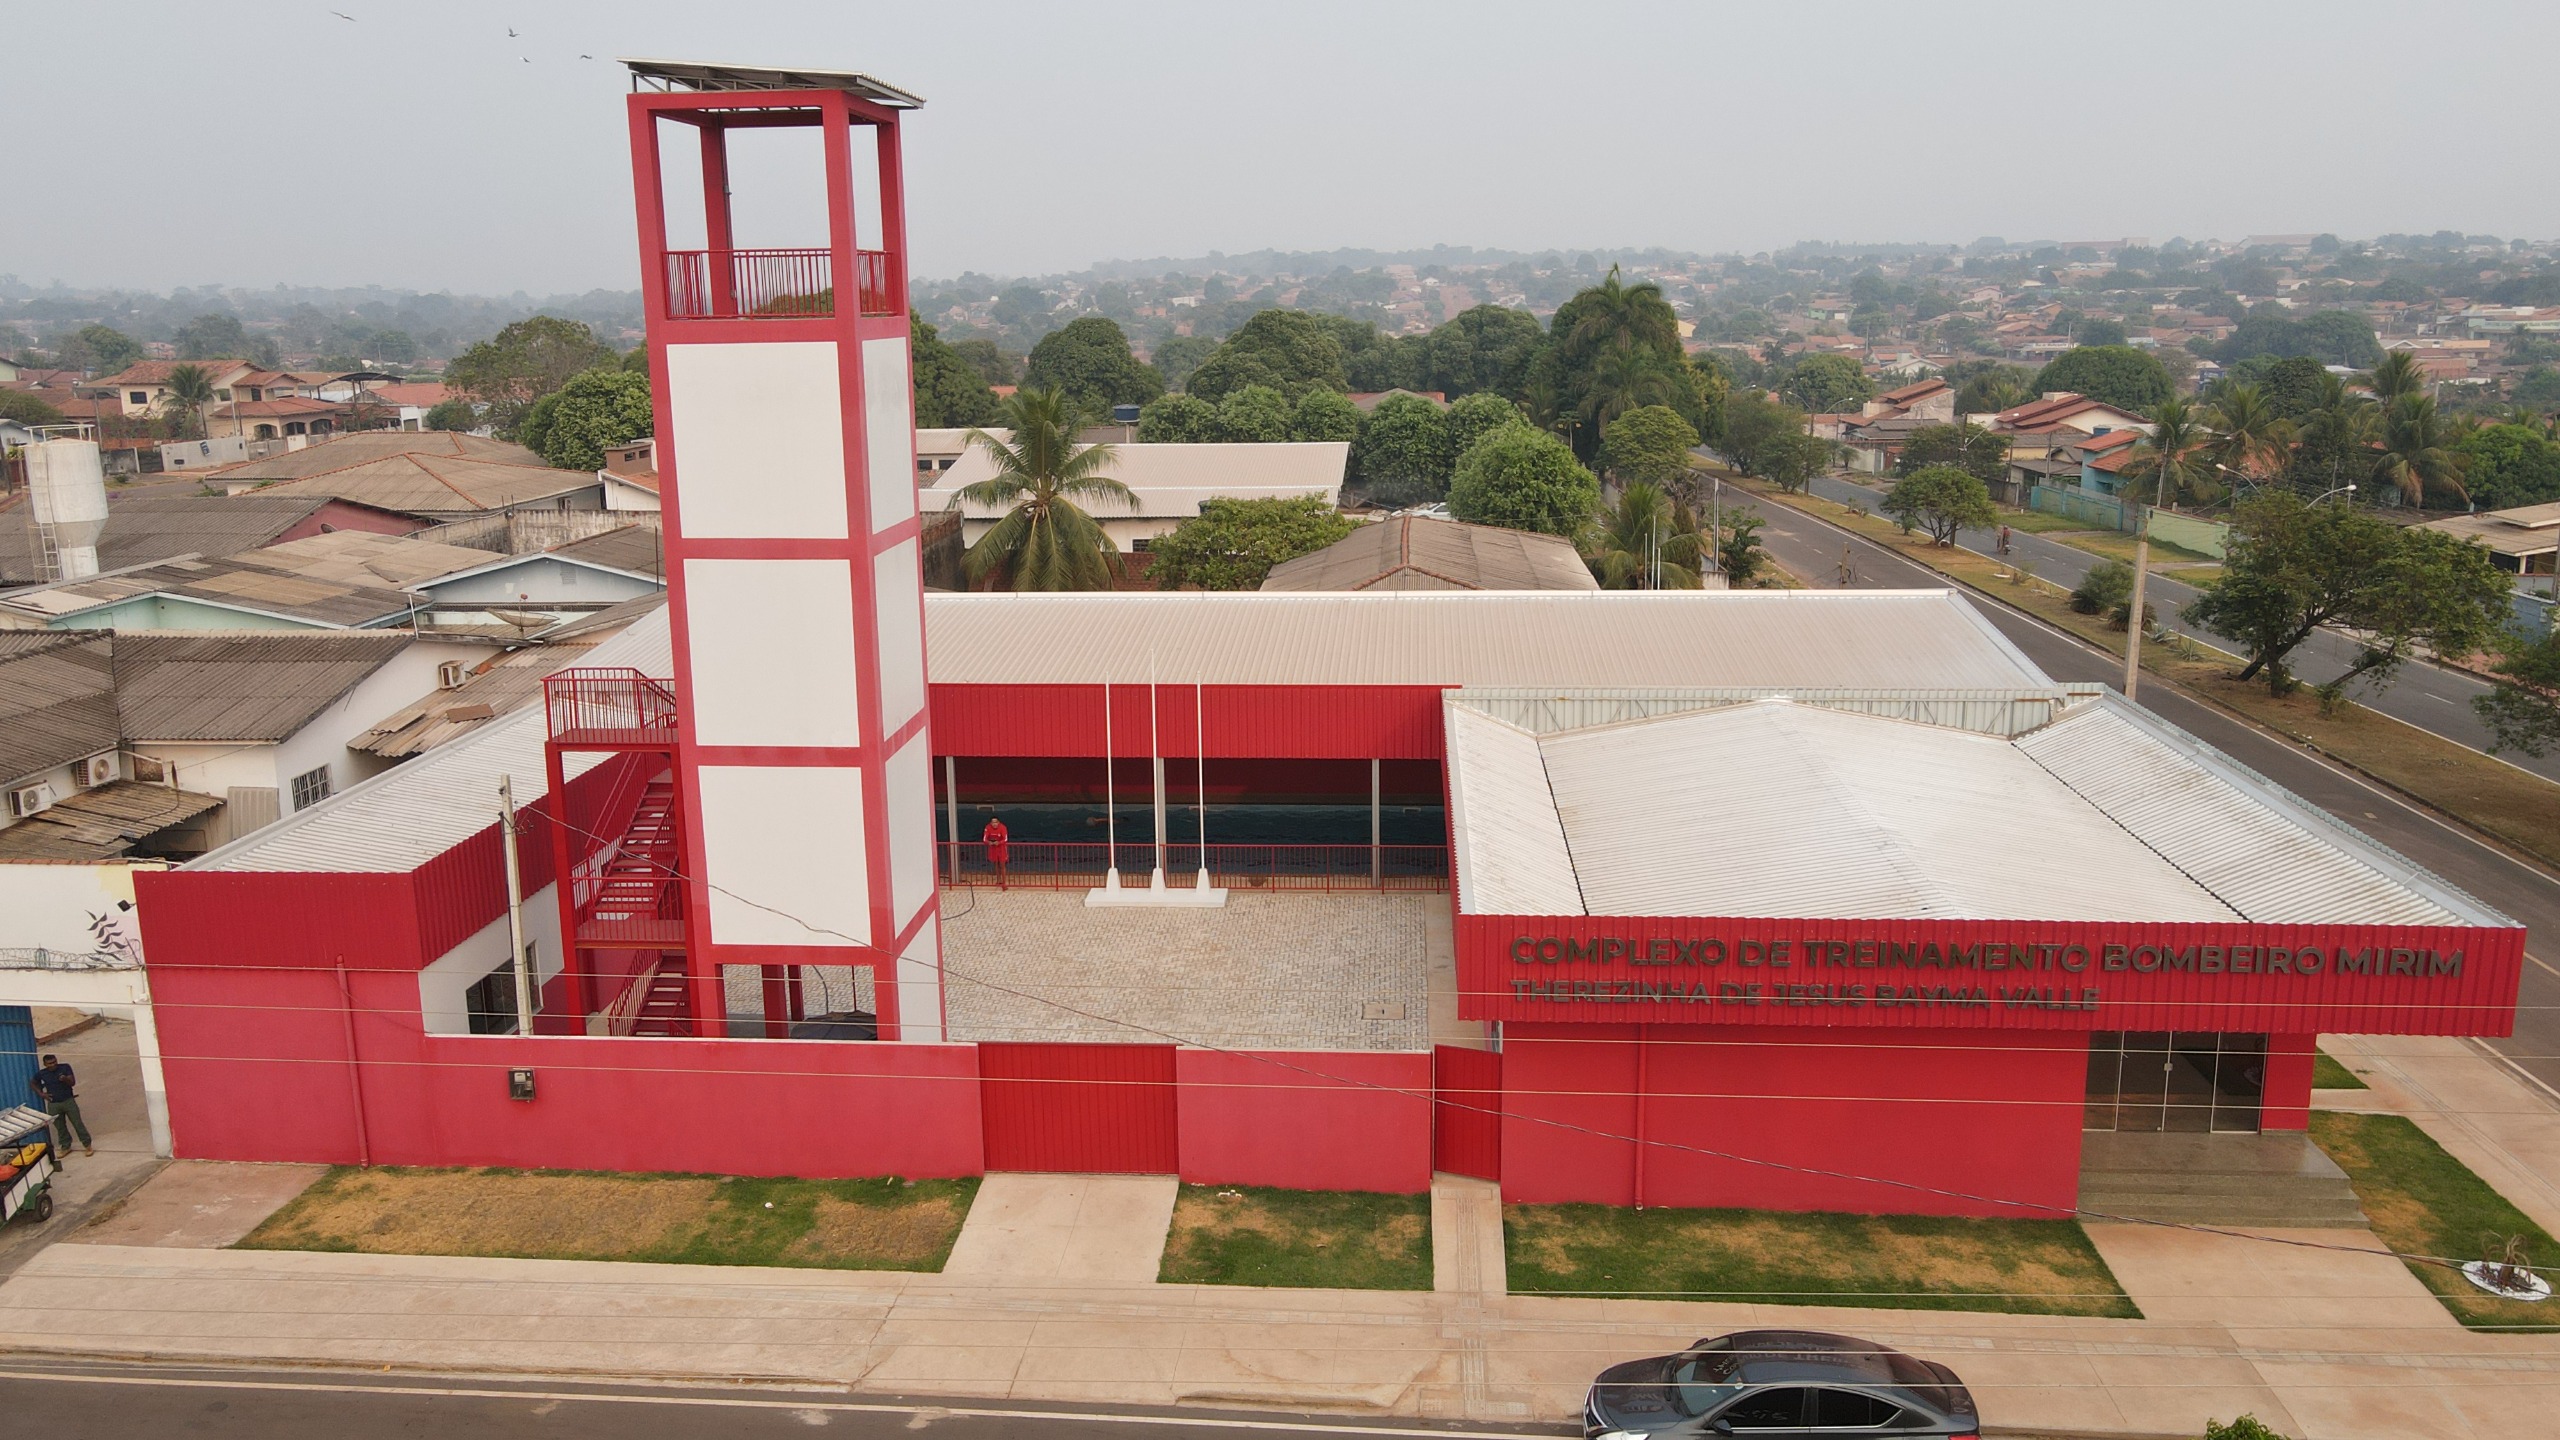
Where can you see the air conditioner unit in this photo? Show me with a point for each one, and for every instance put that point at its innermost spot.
(99, 770)
(449, 674)
(30, 800)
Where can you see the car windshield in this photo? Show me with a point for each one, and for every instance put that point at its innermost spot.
(1700, 1383)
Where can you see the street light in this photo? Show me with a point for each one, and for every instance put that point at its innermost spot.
(2346, 489)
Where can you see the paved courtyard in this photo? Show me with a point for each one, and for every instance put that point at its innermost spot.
(1266, 972)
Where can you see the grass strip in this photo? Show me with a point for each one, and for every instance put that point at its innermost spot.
(2422, 1201)
(2328, 1074)
(876, 1224)
(1887, 1262)
(1319, 1239)
(2485, 793)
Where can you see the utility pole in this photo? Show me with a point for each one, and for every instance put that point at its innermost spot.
(518, 961)
(2141, 571)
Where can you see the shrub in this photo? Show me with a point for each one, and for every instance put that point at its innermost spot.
(2108, 585)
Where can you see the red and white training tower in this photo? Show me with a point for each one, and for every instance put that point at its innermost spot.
(786, 465)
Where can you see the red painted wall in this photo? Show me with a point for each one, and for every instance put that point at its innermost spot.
(1107, 1109)
(1249, 722)
(1307, 1121)
(1935, 1122)
(2285, 1103)
(347, 515)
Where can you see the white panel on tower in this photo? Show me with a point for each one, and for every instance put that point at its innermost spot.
(920, 987)
(782, 850)
(897, 604)
(758, 440)
(910, 795)
(888, 431)
(773, 646)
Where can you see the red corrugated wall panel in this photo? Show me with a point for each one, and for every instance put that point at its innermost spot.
(1306, 1120)
(1255, 722)
(1098, 1108)
(1466, 1114)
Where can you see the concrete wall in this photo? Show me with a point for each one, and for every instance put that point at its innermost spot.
(71, 907)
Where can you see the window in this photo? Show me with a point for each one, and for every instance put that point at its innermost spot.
(1700, 1383)
(137, 397)
(2191, 1081)
(1850, 1410)
(491, 1001)
(1766, 1410)
(310, 788)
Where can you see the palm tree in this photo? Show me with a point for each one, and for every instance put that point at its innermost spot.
(190, 389)
(2399, 374)
(1633, 314)
(2417, 453)
(2247, 432)
(2345, 425)
(1045, 541)
(1646, 541)
(2171, 461)
(1626, 377)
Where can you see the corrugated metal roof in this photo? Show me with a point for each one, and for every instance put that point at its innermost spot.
(240, 685)
(240, 581)
(1512, 857)
(1918, 639)
(1775, 808)
(2269, 855)
(1413, 552)
(361, 557)
(147, 526)
(410, 814)
(1170, 481)
(345, 451)
(57, 700)
(103, 822)
(431, 485)
(637, 549)
(504, 685)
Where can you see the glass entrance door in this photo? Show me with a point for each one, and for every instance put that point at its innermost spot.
(2176, 1081)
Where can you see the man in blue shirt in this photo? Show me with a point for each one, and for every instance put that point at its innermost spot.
(60, 1091)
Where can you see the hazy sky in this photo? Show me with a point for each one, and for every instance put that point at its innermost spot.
(191, 143)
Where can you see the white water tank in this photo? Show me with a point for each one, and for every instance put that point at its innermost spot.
(67, 491)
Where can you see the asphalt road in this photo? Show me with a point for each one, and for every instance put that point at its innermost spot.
(80, 1402)
(1811, 549)
(2428, 696)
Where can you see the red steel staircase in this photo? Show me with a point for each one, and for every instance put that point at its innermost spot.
(627, 899)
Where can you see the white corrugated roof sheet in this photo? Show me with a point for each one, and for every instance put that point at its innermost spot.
(1512, 858)
(1911, 639)
(1773, 808)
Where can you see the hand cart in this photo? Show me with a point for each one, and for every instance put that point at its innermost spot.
(26, 1164)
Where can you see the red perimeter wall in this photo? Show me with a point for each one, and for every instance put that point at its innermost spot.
(1306, 1121)
(1938, 1111)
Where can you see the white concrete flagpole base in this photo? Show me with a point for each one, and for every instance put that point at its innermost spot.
(1157, 893)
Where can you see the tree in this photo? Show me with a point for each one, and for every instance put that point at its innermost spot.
(2118, 375)
(2106, 589)
(523, 362)
(2395, 375)
(572, 427)
(1646, 541)
(1177, 420)
(454, 413)
(2294, 387)
(2098, 330)
(1790, 461)
(1827, 384)
(2170, 462)
(1738, 552)
(1941, 500)
(1754, 426)
(190, 390)
(1403, 456)
(2522, 710)
(1524, 479)
(2248, 437)
(1473, 417)
(1992, 389)
(949, 391)
(1634, 327)
(27, 409)
(1483, 349)
(1090, 360)
(1176, 356)
(1650, 443)
(2245, 1427)
(994, 366)
(1046, 540)
(1289, 350)
(1232, 544)
(1623, 378)
(99, 348)
(2337, 337)
(1254, 415)
(2292, 566)
(2506, 465)
(2417, 451)
(211, 337)
(1324, 415)
(1978, 452)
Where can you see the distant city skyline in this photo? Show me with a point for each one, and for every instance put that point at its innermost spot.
(428, 149)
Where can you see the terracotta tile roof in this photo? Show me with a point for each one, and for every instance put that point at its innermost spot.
(156, 372)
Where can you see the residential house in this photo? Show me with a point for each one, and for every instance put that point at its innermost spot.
(581, 576)
(115, 744)
(464, 700)
(1413, 552)
(1931, 401)
(630, 476)
(236, 592)
(407, 400)
(2059, 410)
(141, 390)
(2524, 540)
(145, 526)
(1166, 484)
(431, 475)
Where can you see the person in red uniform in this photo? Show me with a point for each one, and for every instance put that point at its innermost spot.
(999, 843)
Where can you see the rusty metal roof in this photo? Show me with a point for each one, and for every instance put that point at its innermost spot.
(240, 685)
(101, 823)
(144, 527)
(501, 687)
(1412, 552)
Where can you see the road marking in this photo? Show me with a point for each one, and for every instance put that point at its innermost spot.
(313, 1387)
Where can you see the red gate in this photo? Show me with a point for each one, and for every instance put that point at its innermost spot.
(1080, 1108)
(1466, 1111)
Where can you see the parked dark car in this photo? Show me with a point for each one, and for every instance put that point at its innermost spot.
(1780, 1382)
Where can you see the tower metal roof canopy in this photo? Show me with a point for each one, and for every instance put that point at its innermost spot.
(706, 78)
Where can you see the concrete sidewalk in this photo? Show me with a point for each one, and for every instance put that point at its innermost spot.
(2486, 1114)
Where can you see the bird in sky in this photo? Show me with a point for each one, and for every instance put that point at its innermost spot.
(511, 32)
(343, 15)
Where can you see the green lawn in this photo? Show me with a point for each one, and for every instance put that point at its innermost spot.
(2328, 1074)
(1890, 1262)
(1322, 1239)
(2117, 546)
(2422, 1201)
(885, 1224)
(2037, 522)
